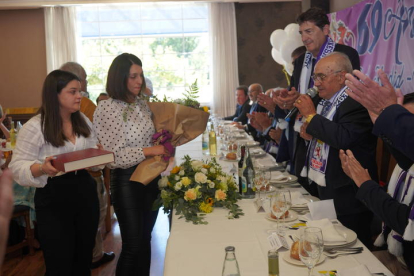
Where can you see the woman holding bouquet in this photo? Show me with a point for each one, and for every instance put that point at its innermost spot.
(124, 126)
(67, 208)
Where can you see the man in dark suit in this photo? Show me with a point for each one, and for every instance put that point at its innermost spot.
(254, 90)
(338, 122)
(314, 29)
(243, 106)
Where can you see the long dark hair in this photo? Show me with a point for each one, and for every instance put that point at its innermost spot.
(116, 84)
(51, 122)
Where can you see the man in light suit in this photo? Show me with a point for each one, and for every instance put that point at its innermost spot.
(243, 106)
(338, 122)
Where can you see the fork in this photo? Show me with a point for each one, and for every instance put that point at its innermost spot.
(339, 250)
(333, 256)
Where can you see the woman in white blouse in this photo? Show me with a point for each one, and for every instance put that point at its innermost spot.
(67, 208)
(124, 126)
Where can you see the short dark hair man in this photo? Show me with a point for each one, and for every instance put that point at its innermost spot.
(243, 106)
(314, 29)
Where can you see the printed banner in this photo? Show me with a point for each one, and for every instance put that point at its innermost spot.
(382, 32)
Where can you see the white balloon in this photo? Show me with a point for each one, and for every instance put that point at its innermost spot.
(288, 46)
(292, 28)
(289, 68)
(277, 38)
(277, 56)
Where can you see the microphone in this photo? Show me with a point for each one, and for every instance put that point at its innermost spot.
(312, 92)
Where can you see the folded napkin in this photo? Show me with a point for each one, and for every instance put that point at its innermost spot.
(279, 176)
(360, 270)
(328, 230)
(322, 209)
(297, 198)
(266, 162)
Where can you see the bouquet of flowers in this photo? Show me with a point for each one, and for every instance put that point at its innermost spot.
(195, 187)
(176, 124)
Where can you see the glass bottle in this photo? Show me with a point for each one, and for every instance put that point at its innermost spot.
(273, 259)
(241, 165)
(230, 266)
(18, 126)
(204, 140)
(248, 173)
(212, 141)
(13, 135)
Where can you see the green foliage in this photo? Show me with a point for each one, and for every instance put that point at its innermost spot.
(195, 188)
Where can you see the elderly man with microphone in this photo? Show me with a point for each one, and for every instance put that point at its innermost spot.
(337, 122)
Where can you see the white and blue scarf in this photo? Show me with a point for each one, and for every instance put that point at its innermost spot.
(318, 151)
(401, 188)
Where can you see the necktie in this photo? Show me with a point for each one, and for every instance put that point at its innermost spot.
(313, 67)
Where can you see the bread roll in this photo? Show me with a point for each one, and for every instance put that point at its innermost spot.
(231, 156)
(294, 251)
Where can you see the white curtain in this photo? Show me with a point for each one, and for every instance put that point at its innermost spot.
(60, 27)
(225, 74)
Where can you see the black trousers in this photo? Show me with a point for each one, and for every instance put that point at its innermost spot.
(133, 203)
(67, 212)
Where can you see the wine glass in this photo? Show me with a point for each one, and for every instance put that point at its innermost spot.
(310, 247)
(258, 182)
(288, 199)
(278, 208)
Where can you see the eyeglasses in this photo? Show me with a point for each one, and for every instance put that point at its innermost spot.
(321, 77)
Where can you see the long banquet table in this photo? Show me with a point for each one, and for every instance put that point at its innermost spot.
(199, 249)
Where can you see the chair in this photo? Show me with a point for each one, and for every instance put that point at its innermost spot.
(23, 211)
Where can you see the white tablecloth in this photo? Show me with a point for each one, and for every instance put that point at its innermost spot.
(199, 249)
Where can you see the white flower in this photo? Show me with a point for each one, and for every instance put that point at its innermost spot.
(163, 182)
(197, 165)
(178, 186)
(177, 177)
(222, 179)
(181, 172)
(212, 170)
(200, 177)
(203, 170)
(211, 184)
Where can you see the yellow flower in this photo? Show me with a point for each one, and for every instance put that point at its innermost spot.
(175, 170)
(205, 207)
(205, 166)
(205, 108)
(186, 181)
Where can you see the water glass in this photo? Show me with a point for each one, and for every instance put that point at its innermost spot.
(310, 247)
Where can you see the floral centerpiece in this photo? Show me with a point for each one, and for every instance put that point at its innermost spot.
(195, 187)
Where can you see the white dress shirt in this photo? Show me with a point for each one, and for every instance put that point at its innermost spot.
(125, 129)
(32, 148)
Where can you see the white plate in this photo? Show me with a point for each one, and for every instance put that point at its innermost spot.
(309, 198)
(348, 234)
(287, 258)
(292, 217)
(230, 160)
(252, 144)
(290, 179)
(239, 135)
(258, 153)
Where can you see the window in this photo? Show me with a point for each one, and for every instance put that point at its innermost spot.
(171, 39)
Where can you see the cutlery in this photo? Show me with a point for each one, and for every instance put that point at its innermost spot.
(333, 256)
(338, 250)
